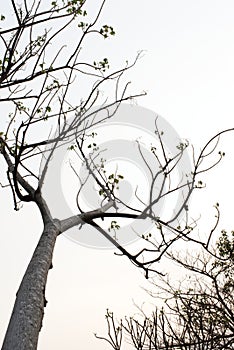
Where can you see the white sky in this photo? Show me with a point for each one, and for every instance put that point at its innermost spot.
(188, 72)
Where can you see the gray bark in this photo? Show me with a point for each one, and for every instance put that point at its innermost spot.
(26, 319)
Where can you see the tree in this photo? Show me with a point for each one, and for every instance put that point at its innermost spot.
(197, 314)
(37, 83)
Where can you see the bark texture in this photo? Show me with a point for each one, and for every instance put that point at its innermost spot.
(26, 319)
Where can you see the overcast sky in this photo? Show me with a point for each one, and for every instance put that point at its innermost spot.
(188, 72)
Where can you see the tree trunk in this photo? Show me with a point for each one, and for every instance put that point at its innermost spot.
(26, 319)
